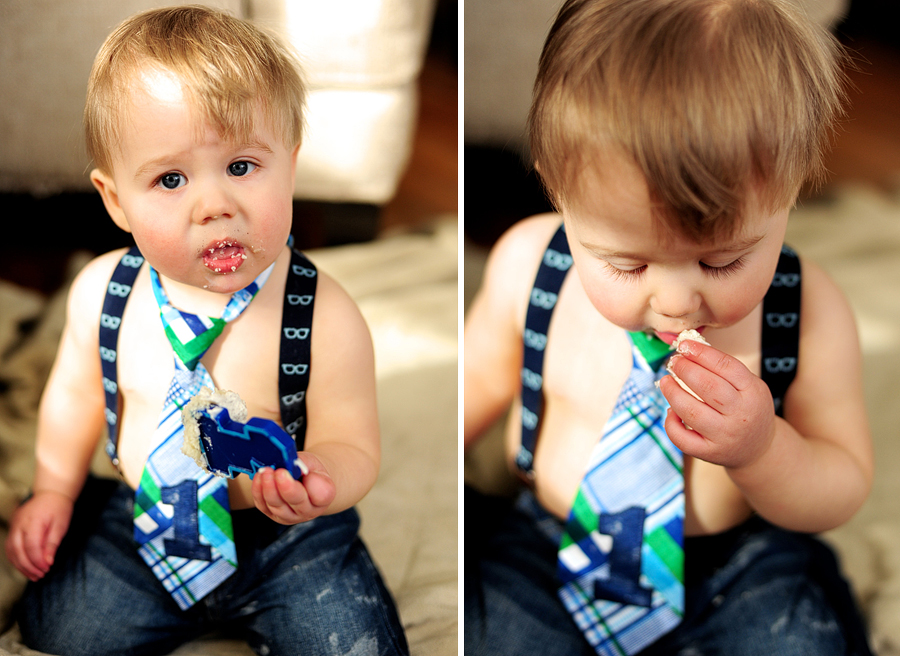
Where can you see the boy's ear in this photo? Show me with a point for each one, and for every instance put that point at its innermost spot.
(294, 161)
(107, 188)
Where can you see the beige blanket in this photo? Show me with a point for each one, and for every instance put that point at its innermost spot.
(854, 233)
(406, 287)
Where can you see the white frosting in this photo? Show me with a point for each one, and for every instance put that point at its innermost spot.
(207, 399)
(686, 335)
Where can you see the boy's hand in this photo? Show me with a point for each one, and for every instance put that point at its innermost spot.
(37, 528)
(735, 425)
(288, 501)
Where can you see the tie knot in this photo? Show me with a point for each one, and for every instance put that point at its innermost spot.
(190, 335)
(654, 351)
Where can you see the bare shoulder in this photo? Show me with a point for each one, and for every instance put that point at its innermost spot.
(97, 272)
(826, 399)
(827, 317)
(495, 320)
(524, 242)
(341, 405)
(514, 260)
(88, 290)
(339, 329)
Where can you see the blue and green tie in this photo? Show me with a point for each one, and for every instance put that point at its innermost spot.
(621, 558)
(182, 518)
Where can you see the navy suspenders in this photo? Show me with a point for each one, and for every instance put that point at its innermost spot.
(550, 276)
(780, 336)
(781, 328)
(294, 360)
(117, 292)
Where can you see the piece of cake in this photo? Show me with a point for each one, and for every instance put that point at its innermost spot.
(220, 438)
(207, 399)
(683, 336)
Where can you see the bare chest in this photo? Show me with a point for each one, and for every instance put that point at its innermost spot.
(244, 358)
(586, 363)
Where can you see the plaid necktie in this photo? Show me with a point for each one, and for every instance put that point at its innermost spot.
(182, 518)
(621, 557)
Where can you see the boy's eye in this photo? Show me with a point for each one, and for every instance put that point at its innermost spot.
(239, 169)
(631, 274)
(172, 180)
(723, 271)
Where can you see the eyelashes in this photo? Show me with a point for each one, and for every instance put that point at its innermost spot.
(625, 274)
(724, 271)
(716, 272)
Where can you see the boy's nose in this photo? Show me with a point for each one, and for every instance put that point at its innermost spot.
(675, 302)
(213, 203)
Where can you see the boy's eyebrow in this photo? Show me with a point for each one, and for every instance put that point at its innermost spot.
(164, 160)
(738, 245)
(258, 145)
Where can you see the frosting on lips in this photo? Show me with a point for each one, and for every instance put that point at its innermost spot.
(673, 339)
(224, 256)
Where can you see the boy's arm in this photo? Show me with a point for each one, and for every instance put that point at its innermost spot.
(70, 421)
(342, 446)
(812, 470)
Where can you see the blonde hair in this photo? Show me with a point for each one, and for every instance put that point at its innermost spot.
(229, 69)
(714, 100)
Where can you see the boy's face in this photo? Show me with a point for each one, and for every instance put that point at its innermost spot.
(206, 212)
(641, 276)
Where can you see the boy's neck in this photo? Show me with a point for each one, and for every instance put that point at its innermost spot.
(194, 299)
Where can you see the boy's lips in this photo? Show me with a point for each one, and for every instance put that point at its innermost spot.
(669, 338)
(224, 256)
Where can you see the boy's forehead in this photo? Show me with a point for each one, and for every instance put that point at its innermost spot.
(159, 84)
(153, 86)
(641, 241)
(611, 188)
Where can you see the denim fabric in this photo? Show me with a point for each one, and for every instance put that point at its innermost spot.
(305, 589)
(756, 590)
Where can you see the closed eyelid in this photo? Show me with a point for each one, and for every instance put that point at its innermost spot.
(725, 270)
(624, 274)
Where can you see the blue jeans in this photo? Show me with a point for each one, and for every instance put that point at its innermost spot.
(305, 589)
(756, 590)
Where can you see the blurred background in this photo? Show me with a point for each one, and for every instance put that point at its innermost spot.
(850, 226)
(379, 154)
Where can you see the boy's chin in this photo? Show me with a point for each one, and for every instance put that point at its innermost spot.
(227, 282)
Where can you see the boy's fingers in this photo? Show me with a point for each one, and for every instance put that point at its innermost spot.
(34, 550)
(291, 491)
(258, 489)
(269, 491)
(269, 499)
(55, 535)
(713, 390)
(320, 488)
(22, 556)
(719, 363)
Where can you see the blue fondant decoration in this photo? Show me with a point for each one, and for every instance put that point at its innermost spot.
(232, 447)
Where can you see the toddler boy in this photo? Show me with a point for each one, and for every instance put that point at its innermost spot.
(673, 137)
(193, 120)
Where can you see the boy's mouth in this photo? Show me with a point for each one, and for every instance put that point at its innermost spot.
(224, 256)
(669, 338)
